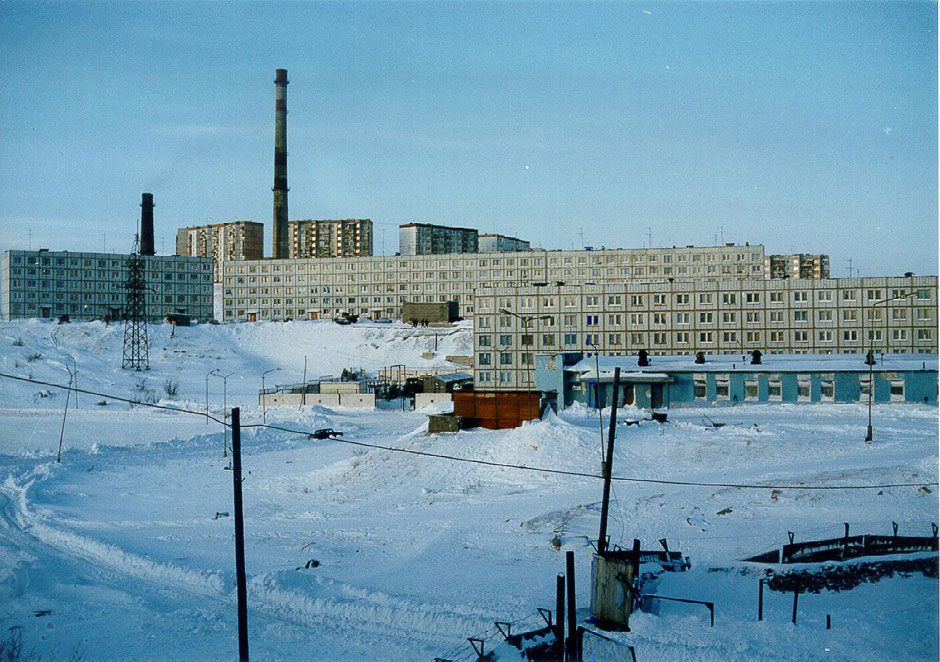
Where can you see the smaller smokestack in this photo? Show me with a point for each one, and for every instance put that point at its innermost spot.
(146, 224)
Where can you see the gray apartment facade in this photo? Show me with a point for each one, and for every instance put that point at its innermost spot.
(84, 286)
(786, 316)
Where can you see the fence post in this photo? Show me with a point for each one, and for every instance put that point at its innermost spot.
(796, 597)
(760, 599)
(242, 590)
(572, 608)
(560, 609)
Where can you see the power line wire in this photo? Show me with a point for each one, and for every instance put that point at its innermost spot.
(490, 463)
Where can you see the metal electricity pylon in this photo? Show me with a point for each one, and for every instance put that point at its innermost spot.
(136, 346)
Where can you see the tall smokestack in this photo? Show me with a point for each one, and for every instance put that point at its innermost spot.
(280, 165)
(146, 224)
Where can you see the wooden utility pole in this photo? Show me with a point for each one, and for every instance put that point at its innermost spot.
(608, 463)
(242, 589)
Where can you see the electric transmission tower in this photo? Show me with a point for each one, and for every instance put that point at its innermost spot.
(136, 347)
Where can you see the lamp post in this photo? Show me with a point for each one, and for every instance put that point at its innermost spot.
(870, 357)
(526, 319)
(225, 410)
(264, 409)
(214, 371)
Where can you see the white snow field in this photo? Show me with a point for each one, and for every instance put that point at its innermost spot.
(125, 549)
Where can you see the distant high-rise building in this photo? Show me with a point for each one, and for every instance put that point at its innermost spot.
(497, 243)
(799, 265)
(342, 238)
(427, 239)
(223, 242)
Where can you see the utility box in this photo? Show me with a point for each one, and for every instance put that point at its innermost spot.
(613, 577)
(443, 423)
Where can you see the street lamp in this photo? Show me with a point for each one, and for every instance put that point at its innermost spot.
(526, 319)
(264, 410)
(214, 371)
(870, 357)
(225, 411)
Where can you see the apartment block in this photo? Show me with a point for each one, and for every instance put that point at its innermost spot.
(497, 243)
(223, 242)
(328, 238)
(427, 239)
(86, 286)
(800, 265)
(378, 286)
(785, 316)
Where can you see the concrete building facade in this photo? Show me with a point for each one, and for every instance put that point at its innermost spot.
(677, 381)
(799, 265)
(377, 286)
(792, 316)
(497, 243)
(428, 239)
(330, 238)
(223, 242)
(85, 286)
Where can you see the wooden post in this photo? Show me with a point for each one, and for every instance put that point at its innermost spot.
(242, 589)
(796, 597)
(572, 608)
(606, 467)
(760, 599)
(560, 610)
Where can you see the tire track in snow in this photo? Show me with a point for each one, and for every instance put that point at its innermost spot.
(375, 614)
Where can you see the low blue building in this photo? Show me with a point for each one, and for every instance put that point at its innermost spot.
(679, 381)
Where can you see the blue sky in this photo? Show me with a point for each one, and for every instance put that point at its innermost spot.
(803, 126)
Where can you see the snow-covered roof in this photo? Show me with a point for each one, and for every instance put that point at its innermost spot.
(742, 363)
(454, 377)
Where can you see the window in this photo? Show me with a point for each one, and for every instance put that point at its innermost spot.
(659, 299)
(864, 387)
(729, 299)
(753, 336)
(682, 338)
(751, 390)
(849, 315)
(615, 338)
(924, 334)
(699, 386)
(899, 334)
(802, 388)
(722, 387)
(729, 317)
(799, 315)
(706, 337)
(776, 336)
(682, 299)
(548, 339)
(850, 335)
(484, 358)
(776, 316)
(898, 314)
(774, 389)
(591, 320)
(897, 390)
(484, 341)
(705, 298)
(825, 336)
(682, 318)
(729, 336)
(825, 315)
(801, 336)
(849, 295)
(776, 297)
(827, 388)
(705, 318)
(505, 358)
(800, 296)
(824, 296)
(752, 297)
(636, 299)
(752, 317)
(571, 339)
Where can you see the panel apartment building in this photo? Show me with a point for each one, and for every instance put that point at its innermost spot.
(327, 238)
(427, 239)
(223, 242)
(87, 286)
(378, 286)
(497, 243)
(790, 316)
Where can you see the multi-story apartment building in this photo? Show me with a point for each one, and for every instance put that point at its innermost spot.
(497, 243)
(800, 265)
(327, 238)
(378, 286)
(223, 242)
(91, 285)
(794, 316)
(427, 239)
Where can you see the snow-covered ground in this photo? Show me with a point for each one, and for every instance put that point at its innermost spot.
(124, 550)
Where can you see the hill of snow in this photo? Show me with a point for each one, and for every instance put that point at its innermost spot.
(124, 550)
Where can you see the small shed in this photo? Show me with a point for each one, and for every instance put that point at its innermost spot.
(496, 410)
